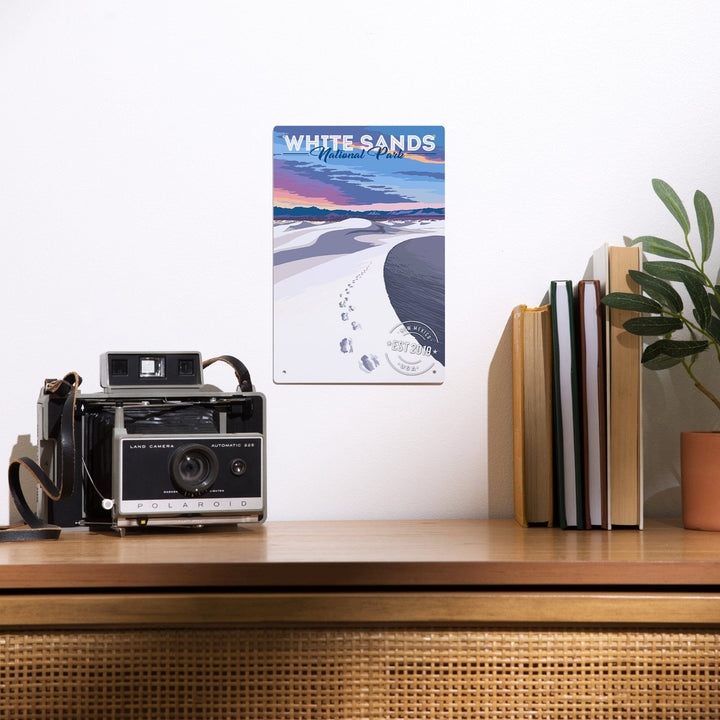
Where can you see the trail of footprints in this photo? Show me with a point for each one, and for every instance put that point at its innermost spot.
(367, 363)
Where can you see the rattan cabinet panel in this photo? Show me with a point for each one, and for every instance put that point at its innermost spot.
(379, 621)
(375, 673)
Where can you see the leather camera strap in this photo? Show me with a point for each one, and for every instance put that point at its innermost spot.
(34, 528)
(241, 372)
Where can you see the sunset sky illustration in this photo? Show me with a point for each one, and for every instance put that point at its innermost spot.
(414, 181)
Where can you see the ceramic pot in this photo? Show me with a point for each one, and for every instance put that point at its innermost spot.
(700, 480)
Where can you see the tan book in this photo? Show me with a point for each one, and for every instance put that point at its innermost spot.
(532, 415)
(624, 396)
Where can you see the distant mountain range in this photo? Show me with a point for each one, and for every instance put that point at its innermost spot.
(314, 213)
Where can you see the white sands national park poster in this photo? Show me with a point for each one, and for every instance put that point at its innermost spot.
(359, 254)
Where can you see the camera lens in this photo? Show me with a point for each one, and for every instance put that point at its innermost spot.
(193, 469)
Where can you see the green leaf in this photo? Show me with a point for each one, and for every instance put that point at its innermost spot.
(673, 349)
(663, 248)
(658, 290)
(669, 270)
(706, 222)
(699, 297)
(631, 301)
(714, 329)
(661, 362)
(652, 325)
(714, 303)
(673, 203)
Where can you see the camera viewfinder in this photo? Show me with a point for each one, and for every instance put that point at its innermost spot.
(186, 367)
(152, 367)
(119, 367)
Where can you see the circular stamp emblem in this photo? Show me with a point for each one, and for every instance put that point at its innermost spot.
(411, 348)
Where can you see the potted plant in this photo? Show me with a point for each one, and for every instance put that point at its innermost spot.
(682, 333)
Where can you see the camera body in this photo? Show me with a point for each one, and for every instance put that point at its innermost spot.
(157, 447)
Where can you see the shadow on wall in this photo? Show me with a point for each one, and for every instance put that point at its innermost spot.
(500, 451)
(24, 448)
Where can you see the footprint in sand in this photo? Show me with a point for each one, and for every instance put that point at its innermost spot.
(368, 362)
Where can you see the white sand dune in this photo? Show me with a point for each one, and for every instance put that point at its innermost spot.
(300, 234)
(331, 303)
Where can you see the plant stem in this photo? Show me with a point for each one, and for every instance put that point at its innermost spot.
(700, 386)
(708, 394)
(692, 254)
(693, 328)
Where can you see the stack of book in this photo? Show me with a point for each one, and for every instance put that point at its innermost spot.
(577, 403)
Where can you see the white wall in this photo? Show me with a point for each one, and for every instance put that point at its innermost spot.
(136, 207)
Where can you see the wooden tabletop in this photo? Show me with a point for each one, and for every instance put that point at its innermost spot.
(382, 554)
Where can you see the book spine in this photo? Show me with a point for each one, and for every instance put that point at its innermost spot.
(569, 495)
(518, 416)
(625, 397)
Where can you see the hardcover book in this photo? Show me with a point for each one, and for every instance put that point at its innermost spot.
(359, 254)
(532, 380)
(623, 375)
(567, 419)
(592, 373)
(625, 385)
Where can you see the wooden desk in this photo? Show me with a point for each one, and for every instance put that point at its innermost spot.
(402, 619)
